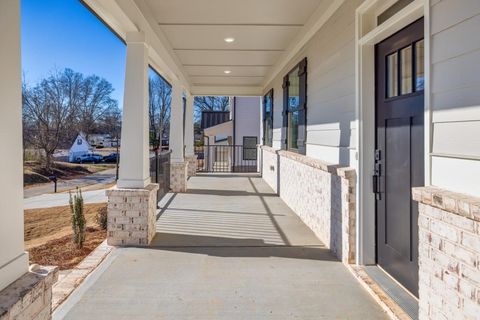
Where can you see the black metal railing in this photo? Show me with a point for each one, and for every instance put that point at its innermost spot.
(160, 171)
(226, 158)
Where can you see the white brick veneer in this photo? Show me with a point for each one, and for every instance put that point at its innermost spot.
(30, 296)
(321, 194)
(178, 176)
(449, 254)
(269, 167)
(132, 215)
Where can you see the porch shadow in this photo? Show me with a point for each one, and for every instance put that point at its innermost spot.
(236, 247)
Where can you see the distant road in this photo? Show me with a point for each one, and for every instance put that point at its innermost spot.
(61, 199)
(101, 177)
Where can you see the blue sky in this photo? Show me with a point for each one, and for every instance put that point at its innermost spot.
(59, 34)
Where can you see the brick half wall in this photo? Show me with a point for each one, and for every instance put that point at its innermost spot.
(321, 194)
(449, 254)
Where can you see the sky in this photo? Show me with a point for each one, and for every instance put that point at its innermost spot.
(58, 34)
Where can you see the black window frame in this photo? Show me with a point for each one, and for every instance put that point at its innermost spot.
(266, 142)
(302, 108)
(255, 148)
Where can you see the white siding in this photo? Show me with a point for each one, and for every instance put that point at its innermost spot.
(455, 103)
(247, 118)
(330, 90)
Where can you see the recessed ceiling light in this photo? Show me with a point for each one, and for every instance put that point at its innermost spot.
(229, 39)
(227, 71)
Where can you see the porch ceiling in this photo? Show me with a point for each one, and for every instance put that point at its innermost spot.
(263, 31)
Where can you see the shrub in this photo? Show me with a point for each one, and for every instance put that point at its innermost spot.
(78, 218)
(102, 218)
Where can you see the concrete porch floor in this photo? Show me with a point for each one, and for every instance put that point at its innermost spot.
(229, 248)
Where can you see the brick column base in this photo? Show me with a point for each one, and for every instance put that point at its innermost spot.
(30, 296)
(192, 165)
(178, 176)
(131, 216)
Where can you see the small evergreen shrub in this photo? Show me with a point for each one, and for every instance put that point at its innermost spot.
(102, 218)
(78, 218)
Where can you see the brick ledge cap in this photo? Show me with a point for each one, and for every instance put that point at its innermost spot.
(19, 292)
(457, 203)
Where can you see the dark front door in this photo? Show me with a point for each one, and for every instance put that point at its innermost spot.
(400, 151)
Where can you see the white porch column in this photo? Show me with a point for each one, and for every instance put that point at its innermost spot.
(134, 193)
(134, 152)
(13, 258)
(178, 165)
(176, 124)
(24, 294)
(190, 156)
(189, 138)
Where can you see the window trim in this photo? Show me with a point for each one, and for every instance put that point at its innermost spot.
(302, 109)
(243, 148)
(268, 94)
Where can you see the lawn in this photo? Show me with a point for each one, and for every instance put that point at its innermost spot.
(48, 235)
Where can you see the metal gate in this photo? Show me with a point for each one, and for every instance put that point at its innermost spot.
(226, 158)
(160, 171)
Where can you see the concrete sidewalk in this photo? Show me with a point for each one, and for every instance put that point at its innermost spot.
(61, 199)
(227, 249)
(101, 177)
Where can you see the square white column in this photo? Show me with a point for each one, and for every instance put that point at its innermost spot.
(176, 138)
(134, 152)
(189, 133)
(13, 258)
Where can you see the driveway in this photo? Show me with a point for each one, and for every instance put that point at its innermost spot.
(229, 248)
(101, 177)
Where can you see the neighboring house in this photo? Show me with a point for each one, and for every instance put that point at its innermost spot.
(100, 140)
(79, 147)
(238, 131)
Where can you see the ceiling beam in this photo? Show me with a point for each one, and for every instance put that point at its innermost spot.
(234, 90)
(227, 65)
(229, 50)
(291, 25)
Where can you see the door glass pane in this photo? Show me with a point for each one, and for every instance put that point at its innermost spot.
(419, 66)
(392, 75)
(292, 130)
(406, 70)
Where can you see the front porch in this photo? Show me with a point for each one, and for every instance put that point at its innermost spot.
(236, 251)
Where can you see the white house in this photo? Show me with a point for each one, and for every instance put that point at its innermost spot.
(80, 146)
(231, 139)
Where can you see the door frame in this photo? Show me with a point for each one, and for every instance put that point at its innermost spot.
(367, 34)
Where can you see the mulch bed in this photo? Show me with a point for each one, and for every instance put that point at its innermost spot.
(63, 253)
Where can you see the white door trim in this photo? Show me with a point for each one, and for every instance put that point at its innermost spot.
(367, 34)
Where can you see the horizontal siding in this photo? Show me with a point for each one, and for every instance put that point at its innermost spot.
(457, 138)
(455, 94)
(330, 89)
(459, 175)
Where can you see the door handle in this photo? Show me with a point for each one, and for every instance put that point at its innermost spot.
(376, 181)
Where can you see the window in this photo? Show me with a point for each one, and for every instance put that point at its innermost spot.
(79, 142)
(249, 148)
(405, 70)
(295, 107)
(268, 118)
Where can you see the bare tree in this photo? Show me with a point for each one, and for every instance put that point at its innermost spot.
(111, 122)
(159, 109)
(49, 109)
(95, 101)
(209, 103)
(60, 105)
